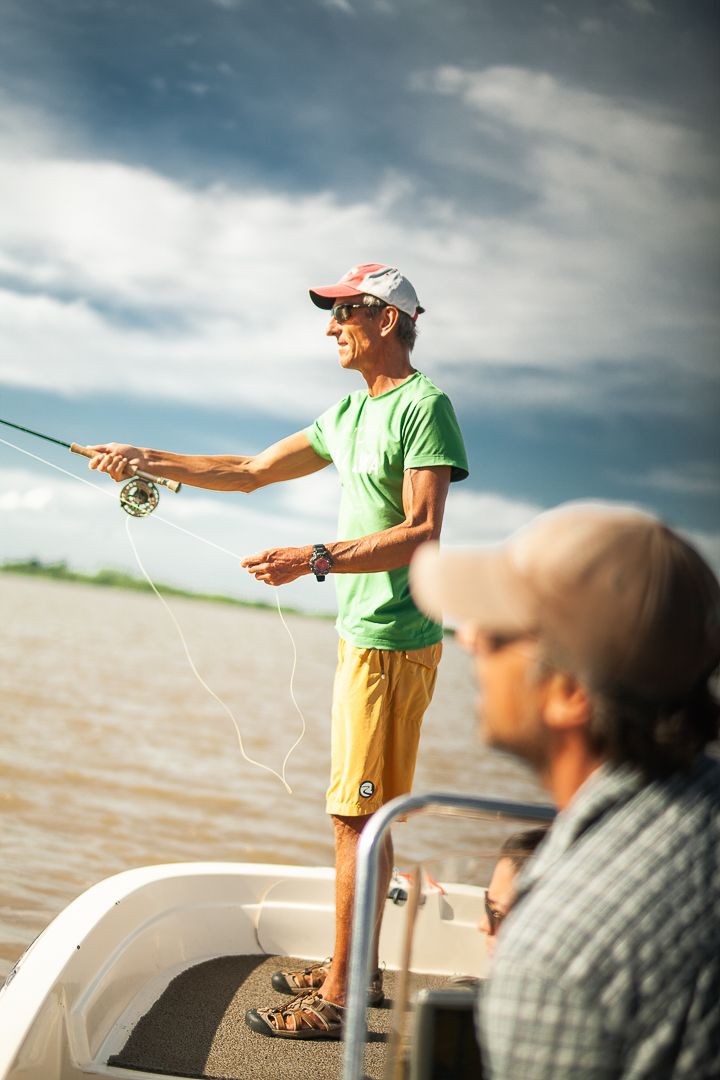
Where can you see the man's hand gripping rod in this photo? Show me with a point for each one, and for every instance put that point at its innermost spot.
(88, 452)
(138, 498)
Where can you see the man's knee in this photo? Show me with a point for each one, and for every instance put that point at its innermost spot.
(348, 830)
(349, 826)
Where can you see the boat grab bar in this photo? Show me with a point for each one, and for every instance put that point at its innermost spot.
(366, 881)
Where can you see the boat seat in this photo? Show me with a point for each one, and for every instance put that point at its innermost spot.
(444, 1045)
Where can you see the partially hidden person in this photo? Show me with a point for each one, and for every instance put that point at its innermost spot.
(502, 887)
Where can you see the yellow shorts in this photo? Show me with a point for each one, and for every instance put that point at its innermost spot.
(379, 699)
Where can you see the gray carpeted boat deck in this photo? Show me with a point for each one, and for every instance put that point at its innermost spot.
(197, 1027)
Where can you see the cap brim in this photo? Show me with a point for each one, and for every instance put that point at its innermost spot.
(479, 585)
(327, 294)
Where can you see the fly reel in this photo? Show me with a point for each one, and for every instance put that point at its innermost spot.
(139, 497)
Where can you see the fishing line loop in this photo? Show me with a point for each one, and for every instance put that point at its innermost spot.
(281, 776)
(211, 692)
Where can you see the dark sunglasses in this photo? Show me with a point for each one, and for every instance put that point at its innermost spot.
(496, 642)
(341, 312)
(494, 917)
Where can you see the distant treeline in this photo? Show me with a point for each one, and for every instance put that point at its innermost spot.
(119, 579)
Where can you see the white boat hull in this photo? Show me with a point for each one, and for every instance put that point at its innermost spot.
(79, 990)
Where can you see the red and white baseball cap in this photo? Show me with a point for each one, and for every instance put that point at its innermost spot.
(384, 282)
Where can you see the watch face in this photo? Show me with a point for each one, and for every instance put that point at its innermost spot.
(321, 564)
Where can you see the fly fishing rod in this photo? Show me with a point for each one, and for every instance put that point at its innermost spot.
(138, 498)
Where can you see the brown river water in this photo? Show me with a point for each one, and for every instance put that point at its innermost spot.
(113, 756)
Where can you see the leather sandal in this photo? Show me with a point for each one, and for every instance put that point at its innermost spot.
(307, 1016)
(297, 980)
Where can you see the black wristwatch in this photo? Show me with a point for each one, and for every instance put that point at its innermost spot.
(321, 561)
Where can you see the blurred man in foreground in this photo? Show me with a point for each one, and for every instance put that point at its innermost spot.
(596, 633)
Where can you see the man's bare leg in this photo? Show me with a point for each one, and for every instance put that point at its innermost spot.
(347, 835)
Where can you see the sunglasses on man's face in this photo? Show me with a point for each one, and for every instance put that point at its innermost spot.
(480, 641)
(494, 917)
(497, 642)
(342, 312)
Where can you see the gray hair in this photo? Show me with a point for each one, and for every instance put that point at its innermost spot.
(407, 330)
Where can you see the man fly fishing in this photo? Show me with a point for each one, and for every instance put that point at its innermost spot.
(397, 447)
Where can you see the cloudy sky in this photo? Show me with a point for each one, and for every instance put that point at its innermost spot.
(175, 174)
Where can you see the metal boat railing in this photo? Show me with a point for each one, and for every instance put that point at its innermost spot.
(366, 891)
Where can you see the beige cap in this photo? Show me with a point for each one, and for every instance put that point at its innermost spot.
(620, 600)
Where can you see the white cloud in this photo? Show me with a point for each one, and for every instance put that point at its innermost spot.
(117, 276)
(620, 213)
(699, 478)
(542, 107)
(34, 498)
(489, 518)
(641, 7)
(592, 26)
(312, 501)
(475, 517)
(197, 89)
(339, 5)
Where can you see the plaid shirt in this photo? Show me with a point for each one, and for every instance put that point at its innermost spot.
(609, 964)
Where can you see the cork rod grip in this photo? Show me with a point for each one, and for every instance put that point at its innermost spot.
(172, 485)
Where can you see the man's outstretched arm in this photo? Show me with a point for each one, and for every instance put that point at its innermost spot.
(424, 495)
(285, 460)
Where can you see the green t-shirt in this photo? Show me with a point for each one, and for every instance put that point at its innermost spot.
(372, 441)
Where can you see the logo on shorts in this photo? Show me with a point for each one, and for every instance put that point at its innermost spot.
(367, 789)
